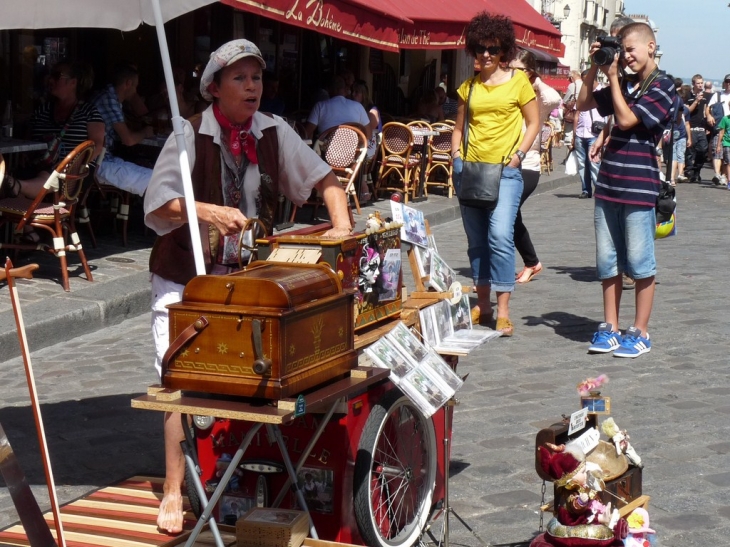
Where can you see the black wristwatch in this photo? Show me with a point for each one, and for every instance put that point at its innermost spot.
(520, 154)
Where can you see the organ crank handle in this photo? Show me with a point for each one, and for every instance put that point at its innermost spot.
(261, 365)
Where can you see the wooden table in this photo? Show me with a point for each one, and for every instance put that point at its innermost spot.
(15, 146)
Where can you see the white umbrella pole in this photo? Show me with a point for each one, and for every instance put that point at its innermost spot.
(177, 128)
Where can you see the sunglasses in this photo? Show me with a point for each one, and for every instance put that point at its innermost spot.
(492, 50)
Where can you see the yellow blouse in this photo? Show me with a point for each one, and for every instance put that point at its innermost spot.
(495, 117)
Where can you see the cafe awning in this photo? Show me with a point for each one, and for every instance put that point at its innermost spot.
(439, 24)
(373, 23)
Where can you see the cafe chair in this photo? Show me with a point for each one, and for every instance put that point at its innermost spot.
(398, 166)
(439, 158)
(547, 135)
(117, 200)
(344, 148)
(56, 219)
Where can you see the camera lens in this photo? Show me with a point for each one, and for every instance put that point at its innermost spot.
(604, 56)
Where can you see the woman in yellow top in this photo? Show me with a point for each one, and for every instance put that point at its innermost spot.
(501, 99)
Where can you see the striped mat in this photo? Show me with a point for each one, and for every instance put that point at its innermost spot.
(122, 515)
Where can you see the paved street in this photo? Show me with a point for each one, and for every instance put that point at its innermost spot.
(673, 401)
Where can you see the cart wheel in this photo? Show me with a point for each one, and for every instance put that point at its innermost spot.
(395, 472)
(195, 505)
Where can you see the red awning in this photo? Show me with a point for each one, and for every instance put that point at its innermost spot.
(440, 24)
(559, 83)
(374, 23)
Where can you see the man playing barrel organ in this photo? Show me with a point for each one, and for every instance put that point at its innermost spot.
(240, 161)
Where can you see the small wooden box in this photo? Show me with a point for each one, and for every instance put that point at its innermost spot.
(265, 527)
(346, 256)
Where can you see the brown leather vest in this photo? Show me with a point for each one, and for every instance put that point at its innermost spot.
(172, 254)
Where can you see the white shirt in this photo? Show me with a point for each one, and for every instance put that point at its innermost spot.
(299, 167)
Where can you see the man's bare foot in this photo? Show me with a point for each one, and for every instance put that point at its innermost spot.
(170, 517)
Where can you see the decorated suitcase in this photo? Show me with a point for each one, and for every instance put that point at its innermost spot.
(271, 331)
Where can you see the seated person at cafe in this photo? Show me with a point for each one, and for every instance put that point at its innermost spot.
(271, 102)
(336, 110)
(125, 175)
(63, 123)
(447, 104)
(429, 109)
(241, 159)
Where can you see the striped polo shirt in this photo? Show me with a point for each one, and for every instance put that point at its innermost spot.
(44, 127)
(629, 171)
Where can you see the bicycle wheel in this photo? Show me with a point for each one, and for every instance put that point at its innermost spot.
(395, 472)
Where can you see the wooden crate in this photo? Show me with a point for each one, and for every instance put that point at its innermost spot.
(265, 527)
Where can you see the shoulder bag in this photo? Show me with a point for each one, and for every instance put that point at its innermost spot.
(479, 186)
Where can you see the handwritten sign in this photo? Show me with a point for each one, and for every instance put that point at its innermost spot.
(578, 420)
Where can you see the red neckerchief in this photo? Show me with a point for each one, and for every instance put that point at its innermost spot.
(239, 136)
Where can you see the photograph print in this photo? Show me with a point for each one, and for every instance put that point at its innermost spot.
(385, 355)
(407, 342)
(442, 276)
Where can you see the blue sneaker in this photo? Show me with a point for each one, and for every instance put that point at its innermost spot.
(633, 344)
(605, 340)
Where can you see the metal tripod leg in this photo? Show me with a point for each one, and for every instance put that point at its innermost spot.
(221, 487)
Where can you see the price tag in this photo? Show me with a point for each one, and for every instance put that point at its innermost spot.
(300, 406)
(578, 420)
(456, 290)
(588, 440)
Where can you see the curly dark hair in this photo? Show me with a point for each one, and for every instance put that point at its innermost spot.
(487, 27)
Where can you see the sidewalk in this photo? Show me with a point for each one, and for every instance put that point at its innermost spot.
(121, 281)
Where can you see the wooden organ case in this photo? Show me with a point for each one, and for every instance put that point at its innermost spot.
(269, 331)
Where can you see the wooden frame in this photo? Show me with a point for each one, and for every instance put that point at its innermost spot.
(596, 404)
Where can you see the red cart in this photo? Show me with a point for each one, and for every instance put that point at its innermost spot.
(370, 469)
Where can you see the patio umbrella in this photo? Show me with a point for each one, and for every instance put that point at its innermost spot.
(122, 15)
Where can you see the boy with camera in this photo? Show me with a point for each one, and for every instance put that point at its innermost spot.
(628, 180)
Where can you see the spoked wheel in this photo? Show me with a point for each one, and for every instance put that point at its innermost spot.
(395, 472)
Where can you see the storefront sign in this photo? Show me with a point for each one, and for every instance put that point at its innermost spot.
(315, 15)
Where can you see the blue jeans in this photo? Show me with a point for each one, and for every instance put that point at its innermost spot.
(490, 235)
(624, 239)
(587, 170)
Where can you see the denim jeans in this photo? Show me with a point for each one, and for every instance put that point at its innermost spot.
(490, 235)
(587, 170)
(624, 239)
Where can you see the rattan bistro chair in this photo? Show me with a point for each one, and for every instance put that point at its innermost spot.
(57, 218)
(439, 158)
(397, 160)
(344, 148)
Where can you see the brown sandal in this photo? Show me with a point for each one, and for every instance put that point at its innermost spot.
(479, 318)
(528, 272)
(505, 326)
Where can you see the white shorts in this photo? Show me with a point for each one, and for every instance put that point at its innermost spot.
(164, 292)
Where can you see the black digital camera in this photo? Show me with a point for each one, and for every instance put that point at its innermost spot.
(610, 46)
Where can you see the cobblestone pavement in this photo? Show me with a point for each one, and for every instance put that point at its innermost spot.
(673, 401)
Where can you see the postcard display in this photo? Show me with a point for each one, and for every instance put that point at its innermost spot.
(445, 326)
